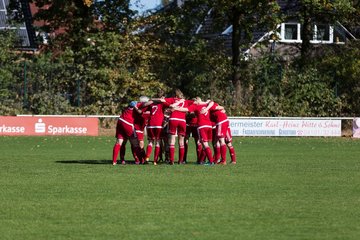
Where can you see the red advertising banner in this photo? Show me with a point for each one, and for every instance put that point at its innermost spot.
(53, 126)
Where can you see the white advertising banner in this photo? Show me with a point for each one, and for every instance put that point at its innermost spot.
(285, 127)
(356, 128)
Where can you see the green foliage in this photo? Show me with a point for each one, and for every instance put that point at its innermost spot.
(279, 90)
(265, 87)
(308, 94)
(343, 64)
(9, 95)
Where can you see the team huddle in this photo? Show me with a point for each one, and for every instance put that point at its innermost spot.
(164, 119)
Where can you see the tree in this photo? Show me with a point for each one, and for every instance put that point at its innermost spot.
(10, 63)
(71, 21)
(245, 16)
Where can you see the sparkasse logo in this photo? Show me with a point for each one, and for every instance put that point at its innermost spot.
(39, 126)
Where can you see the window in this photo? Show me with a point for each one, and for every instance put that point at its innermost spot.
(322, 33)
(291, 32)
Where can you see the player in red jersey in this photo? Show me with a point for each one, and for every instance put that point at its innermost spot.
(140, 121)
(125, 131)
(154, 127)
(177, 125)
(204, 124)
(222, 137)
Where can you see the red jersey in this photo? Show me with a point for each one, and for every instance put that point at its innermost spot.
(218, 116)
(157, 113)
(127, 116)
(202, 119)
(178, 115)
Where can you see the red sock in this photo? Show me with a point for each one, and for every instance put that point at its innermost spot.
(202, 155)
(223, 150)
(209, 154)
(172, 153)
(232, 154)
(217, 152)
(156, 154)
(116, 150)
(148, 150)
(181, 154)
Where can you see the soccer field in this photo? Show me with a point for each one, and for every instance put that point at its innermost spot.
(281, 188)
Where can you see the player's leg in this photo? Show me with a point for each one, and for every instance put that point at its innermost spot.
(116, 150)
(157, 139)
(157, 151)
(223, 150)
(228, 140)
(123, 151)
(150, 144)
(172, 139)
(205, 135)
(119, 140)
(181, 131)
(171, 143)
(136, 150)
(140, 137)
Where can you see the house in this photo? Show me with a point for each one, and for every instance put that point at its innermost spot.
(286, 39)
(24, 30)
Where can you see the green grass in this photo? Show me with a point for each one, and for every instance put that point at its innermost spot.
(281, 188)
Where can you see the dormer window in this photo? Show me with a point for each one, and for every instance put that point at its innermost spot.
(322, 33)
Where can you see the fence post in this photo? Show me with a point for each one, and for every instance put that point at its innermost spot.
(25, 86)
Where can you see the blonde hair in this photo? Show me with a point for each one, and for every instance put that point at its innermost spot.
(179, 94)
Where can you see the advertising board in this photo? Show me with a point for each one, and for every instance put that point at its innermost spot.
(53, 126)
(285, 127)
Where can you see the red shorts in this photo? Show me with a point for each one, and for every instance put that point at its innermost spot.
(228, 137)
(140, 135)
(154, 132)
(205, 133)
(177, 126)
(124, 130)
(222, 128)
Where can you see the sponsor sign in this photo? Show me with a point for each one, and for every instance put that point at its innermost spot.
(285, 127)
(54, 126)
(356, 128)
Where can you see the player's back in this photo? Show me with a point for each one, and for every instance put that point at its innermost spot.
(156, 114)
(128, 114)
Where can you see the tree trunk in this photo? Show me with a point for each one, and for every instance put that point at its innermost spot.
(236, 37)
(306, 35)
